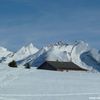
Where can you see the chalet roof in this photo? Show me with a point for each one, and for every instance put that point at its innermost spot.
(63, 65)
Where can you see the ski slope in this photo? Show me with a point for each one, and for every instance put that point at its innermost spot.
(33, 84)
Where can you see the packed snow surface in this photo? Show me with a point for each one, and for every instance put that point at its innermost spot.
(33, 84)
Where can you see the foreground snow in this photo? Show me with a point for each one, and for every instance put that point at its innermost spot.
(32, 84)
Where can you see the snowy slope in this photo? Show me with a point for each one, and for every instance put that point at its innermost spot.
(79, 52)
(32, 84)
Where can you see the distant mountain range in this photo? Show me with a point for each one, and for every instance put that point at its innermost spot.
(78, 52)
(7, 56)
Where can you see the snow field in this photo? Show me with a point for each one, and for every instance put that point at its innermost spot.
(33, 84)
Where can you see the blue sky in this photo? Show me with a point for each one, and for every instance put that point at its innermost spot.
(47, 21)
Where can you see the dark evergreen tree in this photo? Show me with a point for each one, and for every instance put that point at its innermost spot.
(12, 64)
(27, 65)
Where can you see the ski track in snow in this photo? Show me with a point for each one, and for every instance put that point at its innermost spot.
(7, 79)
(72, 95)
(9, 76)
(47, 95)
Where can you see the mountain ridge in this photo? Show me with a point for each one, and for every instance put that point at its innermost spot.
(78, 52)
(22, 53)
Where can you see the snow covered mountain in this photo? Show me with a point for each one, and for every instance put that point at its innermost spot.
(5, 53)
(25, 51)
(95, 54)
(79, 52)
(21, 54)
